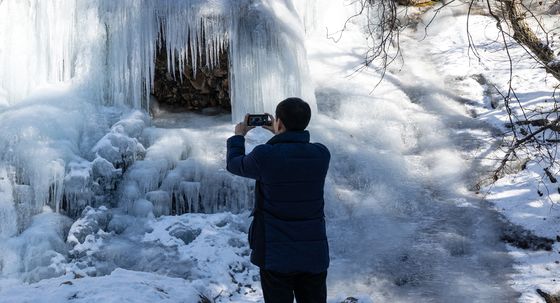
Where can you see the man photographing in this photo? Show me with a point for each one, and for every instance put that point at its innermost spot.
(287, 235)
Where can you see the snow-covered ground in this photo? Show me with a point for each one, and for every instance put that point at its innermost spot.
(526, 198)
(403, 222)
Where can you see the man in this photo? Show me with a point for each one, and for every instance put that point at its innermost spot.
(287, 235)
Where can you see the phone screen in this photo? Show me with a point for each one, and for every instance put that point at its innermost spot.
(258, 120)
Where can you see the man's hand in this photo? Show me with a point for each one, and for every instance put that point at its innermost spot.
(242, 128)
(270, 127)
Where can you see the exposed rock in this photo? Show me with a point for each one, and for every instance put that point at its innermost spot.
(525, 239)
(207, 88)
(211, 111)
(548, 298)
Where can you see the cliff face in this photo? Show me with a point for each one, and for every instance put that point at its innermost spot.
(208, 88)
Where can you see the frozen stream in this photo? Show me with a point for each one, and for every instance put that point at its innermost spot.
(403, 225)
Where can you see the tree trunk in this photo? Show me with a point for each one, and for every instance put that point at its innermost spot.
(523, 34)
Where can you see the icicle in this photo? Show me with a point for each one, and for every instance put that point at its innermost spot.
(161, 201)
(77, 187)
(267, 54)
(191, 193)
(8, 215)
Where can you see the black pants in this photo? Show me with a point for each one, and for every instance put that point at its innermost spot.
(281, 287)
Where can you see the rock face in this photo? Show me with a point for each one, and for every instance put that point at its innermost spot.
(209, 88)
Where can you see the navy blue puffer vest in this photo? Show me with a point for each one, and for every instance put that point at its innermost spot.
(288, 229)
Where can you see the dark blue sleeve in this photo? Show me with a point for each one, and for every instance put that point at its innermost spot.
(240, 164)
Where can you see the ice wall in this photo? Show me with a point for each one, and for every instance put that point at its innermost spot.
(41, 144)
(183, 172)
(108, 47)
(102, 52)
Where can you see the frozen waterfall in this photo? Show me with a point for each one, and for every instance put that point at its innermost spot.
(108, 48)
(61, 60)
(71, 70)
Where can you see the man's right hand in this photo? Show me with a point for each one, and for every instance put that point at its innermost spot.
(270, 127)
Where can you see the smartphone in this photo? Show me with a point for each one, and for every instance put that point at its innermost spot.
(258, 120)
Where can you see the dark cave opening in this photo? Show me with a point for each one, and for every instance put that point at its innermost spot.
(205, 92)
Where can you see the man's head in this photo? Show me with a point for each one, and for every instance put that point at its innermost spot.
(294, 115)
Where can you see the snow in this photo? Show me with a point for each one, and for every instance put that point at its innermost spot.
(199, 253)
(120, 286)
(516, 196)
(158, 218)
(398, 207)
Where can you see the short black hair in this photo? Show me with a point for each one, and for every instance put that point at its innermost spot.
(294, 113)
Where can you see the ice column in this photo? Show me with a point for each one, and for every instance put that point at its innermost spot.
(8, 215)
(35, 44)
(132, 31)
(268, 58)
(308, 13)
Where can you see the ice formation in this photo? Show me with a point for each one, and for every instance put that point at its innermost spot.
(58, 152)
(55, 149)
(109, 47)
(182, 172)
